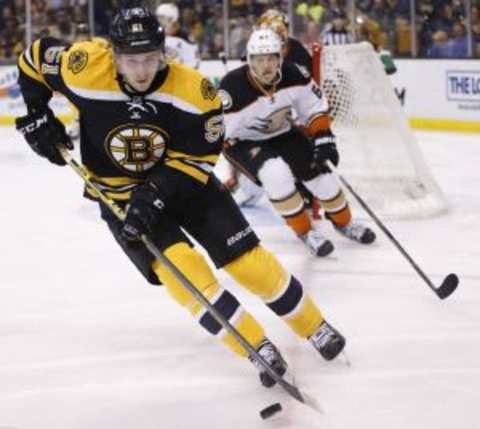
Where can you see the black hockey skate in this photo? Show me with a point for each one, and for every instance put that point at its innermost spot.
(317, 243)
(357, 232)
(327, 341)
(273, 357)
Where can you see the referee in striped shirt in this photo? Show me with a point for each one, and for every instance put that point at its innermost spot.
(337, 33)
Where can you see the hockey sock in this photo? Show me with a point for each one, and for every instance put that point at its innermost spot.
(337, 210)
(292, 209)
(261, 273)
(196, 270)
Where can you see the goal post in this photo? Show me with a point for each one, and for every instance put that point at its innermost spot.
(378, 150)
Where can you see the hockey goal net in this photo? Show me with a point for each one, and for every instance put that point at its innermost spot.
(379, 154)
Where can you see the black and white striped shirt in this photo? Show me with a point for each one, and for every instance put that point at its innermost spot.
(337, 37)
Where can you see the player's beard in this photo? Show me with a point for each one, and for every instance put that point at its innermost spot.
(276, 77)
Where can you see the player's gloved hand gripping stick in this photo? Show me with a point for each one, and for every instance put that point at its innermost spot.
(290, 388)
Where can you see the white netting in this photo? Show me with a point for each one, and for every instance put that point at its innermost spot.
(378, 151)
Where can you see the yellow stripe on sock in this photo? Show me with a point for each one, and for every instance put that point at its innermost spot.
(250, 329)
(306, 320)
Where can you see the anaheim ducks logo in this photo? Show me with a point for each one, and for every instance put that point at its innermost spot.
(136, 148)
(272, 123)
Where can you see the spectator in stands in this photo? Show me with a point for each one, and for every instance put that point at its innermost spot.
(425, 7)
(370, 31)
(7, 19)
(312, 35)
(311, 10)
(440, 47)
(8, 34)
(398, 7)
(337, 32)
(239, 36)
(459, 41)
(403, 33)
(443, 18)
(476, 28)
(379, 12)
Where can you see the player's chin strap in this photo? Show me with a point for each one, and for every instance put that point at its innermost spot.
(289, 387)
(450, 282)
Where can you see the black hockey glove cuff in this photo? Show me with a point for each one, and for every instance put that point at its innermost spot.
(325, 147)
(43, 131)
(144, 211)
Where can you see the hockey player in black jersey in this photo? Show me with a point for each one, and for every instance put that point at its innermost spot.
(259, 101)
(151, 133)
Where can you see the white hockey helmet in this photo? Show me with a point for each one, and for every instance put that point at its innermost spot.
(264, 41)
(167, 13)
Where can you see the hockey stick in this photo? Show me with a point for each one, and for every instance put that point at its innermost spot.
(290, 388)
(450, 282)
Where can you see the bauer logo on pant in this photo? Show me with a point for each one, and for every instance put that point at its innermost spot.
(135, 148)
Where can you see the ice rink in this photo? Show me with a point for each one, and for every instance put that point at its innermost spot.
(85, 342)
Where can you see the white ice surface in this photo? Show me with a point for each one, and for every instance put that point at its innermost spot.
(86, 343)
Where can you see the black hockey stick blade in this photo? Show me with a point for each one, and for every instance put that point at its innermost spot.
(301, 396)
(448, 286)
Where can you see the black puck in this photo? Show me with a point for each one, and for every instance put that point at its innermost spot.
(269, 411)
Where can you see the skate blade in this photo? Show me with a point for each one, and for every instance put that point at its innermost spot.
(343, 357)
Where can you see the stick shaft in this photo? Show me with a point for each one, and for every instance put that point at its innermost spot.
(385, 230)
(120, 213)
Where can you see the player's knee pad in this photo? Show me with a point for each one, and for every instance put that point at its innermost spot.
(279, 183)
(194, 267)
(324, 186)
(277, 178)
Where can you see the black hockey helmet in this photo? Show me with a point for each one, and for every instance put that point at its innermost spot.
(136, 30)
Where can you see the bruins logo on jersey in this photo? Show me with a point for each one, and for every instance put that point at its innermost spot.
(136, 148)
(77, 61)
(208, 90)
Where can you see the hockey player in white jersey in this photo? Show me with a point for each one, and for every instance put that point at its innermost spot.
(245, 192)
(178, 45)
(259, 100)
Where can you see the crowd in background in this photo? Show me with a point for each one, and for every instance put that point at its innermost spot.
(441, 25)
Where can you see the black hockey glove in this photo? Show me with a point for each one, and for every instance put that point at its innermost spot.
(143, 211)
(43, 131)
(325, 147)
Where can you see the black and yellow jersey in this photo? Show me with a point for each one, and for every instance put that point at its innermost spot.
(178, 123)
